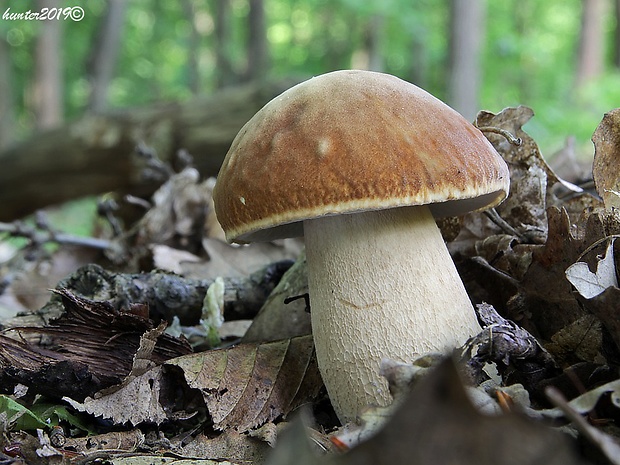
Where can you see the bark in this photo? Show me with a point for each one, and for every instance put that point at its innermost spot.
(591, 52)
(90, 347)
(165, 294)
(617, 34)
(224, 72)
(418, 67)
(257, 47)
(466, 34)
(95, 154)
(6, 99)
(103, 59)
(193, 74)
(48, 72)
(370, 57)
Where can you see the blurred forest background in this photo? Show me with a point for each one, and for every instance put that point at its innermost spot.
(559, 57)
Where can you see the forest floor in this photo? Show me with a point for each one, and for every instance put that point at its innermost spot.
(164, 344)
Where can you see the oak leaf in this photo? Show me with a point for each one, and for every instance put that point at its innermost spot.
(605, 169)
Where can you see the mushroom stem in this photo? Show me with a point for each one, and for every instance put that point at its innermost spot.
(382, 284)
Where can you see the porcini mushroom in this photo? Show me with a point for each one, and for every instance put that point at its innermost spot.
(360, 163)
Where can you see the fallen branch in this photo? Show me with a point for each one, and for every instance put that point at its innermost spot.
(96, 153)
(165, 294)
(44, 236)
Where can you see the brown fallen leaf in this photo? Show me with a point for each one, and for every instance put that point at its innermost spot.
(119, 441)
(250, 384)
(280, 318)
(239, 261)
(177, 216)
(243, 387)
(517, 355)
(579, 341)
(546, 302)
(495, 250)
(605, 307)
(437, 424)
(136, 402)
(607, 444)
(530, 175)
(229, 445)
(606, 166)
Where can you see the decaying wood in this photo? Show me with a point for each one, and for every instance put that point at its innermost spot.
(91, 346)
(517, 354)
(165, 294)
(95, 153)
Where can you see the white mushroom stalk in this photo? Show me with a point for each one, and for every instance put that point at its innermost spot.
(382, 284)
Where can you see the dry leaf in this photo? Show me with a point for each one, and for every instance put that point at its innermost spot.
(592, 284)
(606, 444)
(530, 175)
(606, 166)
(121, 441)
(280, 318)
(136, 402)
(178, 213)
(518, 355)
(174, 260)
(243, 387)
(250, 384)
(438, 424)
(546, 301)
(605, 307)
(229, 445)
(586, 402)
(239, 261)
(578, 341)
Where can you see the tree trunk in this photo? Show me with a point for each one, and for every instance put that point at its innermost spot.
(522, 14)
(617, 34)
(193, 74)
(418, 66)
(105, 51)
(6, 97)
(96, 153)
(370, 57)
(257, 47)
(224, 72)
(591, 52)
(466, 34)
(48, 71)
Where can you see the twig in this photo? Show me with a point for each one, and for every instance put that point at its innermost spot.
(499, 221)
(38, 236)
(155, 169)
(516, 141)
(605, 443)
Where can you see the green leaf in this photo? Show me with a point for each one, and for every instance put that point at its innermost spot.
(19, 417)
(52, 414)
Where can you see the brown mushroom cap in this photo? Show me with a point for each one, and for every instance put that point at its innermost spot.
(351, 141)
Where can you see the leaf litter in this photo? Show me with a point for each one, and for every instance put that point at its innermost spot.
(543, 261)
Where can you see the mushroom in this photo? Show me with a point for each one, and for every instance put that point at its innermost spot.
(360, 163)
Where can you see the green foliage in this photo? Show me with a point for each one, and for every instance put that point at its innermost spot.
(529, 53)
(17, 417)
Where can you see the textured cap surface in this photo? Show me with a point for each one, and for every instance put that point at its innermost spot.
(352, 141)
